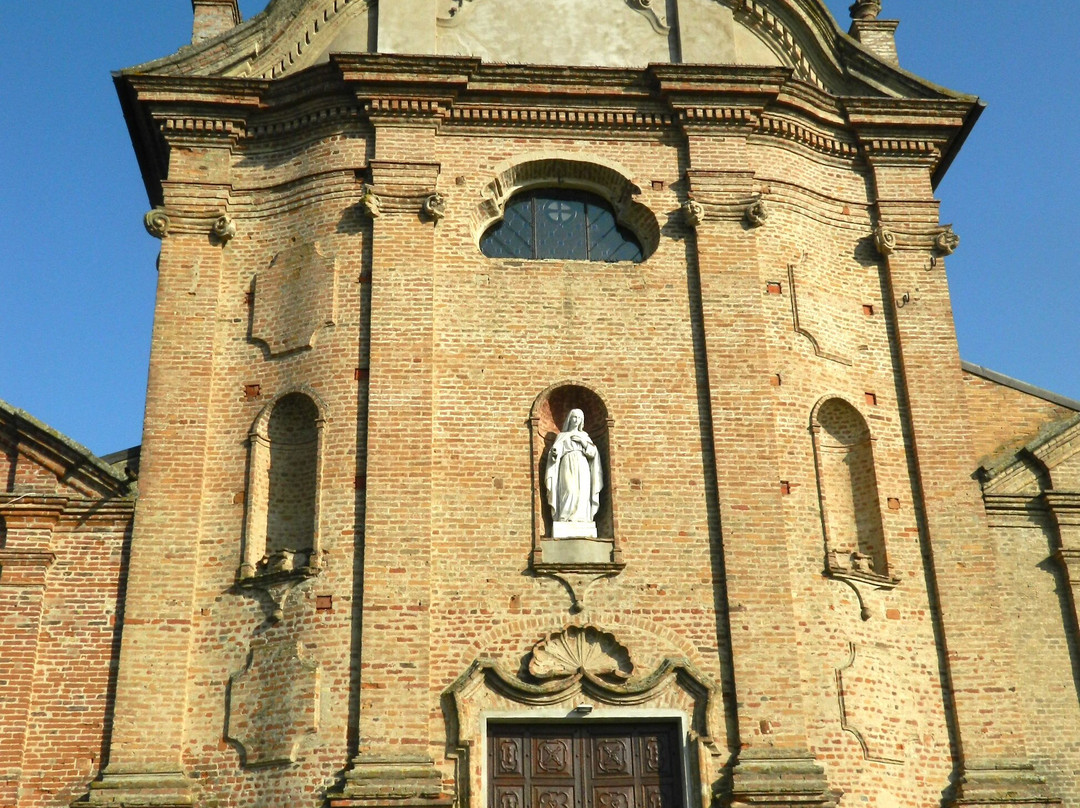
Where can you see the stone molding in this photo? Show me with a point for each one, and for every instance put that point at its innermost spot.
(150, 788)
(162, 222)
(675, 686)
(1001, 784)
(564, 169)
(777, 778)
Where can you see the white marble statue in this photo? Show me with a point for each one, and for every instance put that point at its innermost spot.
(574, 479)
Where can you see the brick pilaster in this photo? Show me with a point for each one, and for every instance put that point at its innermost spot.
(393, 761)
(774, 766)
(992, 765)
(145, 756)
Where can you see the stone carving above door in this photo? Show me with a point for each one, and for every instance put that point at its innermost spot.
(294, 298)
(584, 649)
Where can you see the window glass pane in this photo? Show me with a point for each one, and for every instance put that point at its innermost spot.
(560, 227)
(513, 236)
(607, 240)
(561, 224)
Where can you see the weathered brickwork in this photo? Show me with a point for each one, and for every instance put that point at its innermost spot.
(342, 565)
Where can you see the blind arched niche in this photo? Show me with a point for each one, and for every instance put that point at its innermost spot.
(848, 490)
(281, 531)
(546, 420)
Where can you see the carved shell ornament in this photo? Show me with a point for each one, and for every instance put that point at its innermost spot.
(580, 649)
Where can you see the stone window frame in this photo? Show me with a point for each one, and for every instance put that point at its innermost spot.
(259, 445)
(568, 171)
(540, 421)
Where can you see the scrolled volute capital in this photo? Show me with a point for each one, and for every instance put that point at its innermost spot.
(693, 212)
(157, 223)
(434, 207)
(370, 202)
(756, 213)
(884, 240)
(224, 228)
(946, 241)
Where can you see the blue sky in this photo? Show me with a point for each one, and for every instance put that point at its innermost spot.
(77, 279)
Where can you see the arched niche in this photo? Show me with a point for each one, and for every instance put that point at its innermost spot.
(546, 420)
(281, 528)
(562, 170)
(848, 491)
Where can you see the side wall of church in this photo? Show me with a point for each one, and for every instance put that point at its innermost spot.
(62, 573)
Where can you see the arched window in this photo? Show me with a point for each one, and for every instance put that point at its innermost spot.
(282, 499)
(847, 482)
(560, 223)
(3, 533)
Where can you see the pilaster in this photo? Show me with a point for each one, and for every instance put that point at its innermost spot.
(145, 754)
(773, 765)
(393, 765)
(902, 148)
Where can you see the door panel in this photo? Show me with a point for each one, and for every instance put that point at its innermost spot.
(595, 765)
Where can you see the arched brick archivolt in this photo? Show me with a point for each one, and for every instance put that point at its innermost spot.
(556, 169)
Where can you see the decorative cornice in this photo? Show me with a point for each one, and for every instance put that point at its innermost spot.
(199, 129)
(939, 239)
(772, 125)
(466, 113)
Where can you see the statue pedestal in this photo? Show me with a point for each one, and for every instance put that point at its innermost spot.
(573, 530)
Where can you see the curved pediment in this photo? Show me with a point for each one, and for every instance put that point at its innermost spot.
(801, 35)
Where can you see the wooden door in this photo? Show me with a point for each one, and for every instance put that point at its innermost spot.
(595, 765)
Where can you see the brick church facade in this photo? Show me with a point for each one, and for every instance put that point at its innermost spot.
(551, 405)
